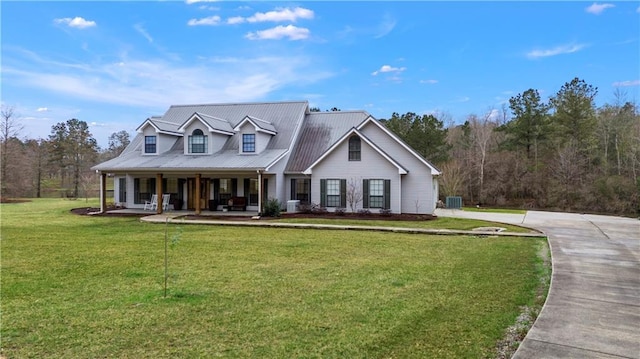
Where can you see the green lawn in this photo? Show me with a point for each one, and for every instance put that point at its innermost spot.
(91, 287)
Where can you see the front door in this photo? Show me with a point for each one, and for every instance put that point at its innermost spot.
(205, 193)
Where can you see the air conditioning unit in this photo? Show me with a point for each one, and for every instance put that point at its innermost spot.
(292, 206)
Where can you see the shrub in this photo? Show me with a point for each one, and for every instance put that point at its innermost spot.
(340, 211)
(272, 208)
(318, 210)
(364, 211)
(385, 212)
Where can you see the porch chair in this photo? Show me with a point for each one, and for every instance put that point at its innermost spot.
(152, 204)
(165, 201)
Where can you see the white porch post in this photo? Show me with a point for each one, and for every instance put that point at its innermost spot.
(103, 192)
(259, 193)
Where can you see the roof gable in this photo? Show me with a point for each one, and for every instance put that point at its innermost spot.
(258, 124)
(434, 171)
(401, 170)
(159, 126)
(213, 124)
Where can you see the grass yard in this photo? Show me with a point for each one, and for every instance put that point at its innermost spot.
(92, 287)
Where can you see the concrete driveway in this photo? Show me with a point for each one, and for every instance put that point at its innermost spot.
(593, 307)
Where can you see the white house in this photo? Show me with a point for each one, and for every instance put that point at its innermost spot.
(205, 155)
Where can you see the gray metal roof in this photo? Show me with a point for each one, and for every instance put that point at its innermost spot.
(216, 123)
(285, 116)
(319, 132)
(265, 125)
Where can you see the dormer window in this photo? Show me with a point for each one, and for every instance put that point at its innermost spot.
(354, 148)
(149, 144)
(197, 142)
(249, 142)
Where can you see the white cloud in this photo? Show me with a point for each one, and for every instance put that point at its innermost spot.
(158, 83)
(279, 32)
(77, 22)
(597, 9)
(142, 31)
(558, 50)
(211, 20)
(235, 20)
(42, 109)
(387, 68)
(431, 81)
(279, 15)
(626, 83)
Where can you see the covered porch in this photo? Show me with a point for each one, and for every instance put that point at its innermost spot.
(188, 193)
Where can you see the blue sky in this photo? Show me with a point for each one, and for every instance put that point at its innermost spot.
(113, 64)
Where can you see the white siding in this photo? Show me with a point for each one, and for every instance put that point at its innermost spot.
(417, 185)
(262, 139)
(371, 166)
(215, 141)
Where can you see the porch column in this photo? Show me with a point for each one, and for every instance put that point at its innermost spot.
(197, 193)
(259, 193)
(159, 191)
(103, 192)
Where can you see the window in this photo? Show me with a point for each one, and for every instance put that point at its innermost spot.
(249, 142)
(224, 192)
(333, 193)
(301, 190)
(149, 144)
(354, 148)
(197, 142)
(376, 193)
(253, 191)
(143, 188)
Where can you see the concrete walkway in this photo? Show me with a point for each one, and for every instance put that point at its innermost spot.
(177, 218)
(593, 306)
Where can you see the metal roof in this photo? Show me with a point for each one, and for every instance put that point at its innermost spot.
(285, 116)
(319, 132)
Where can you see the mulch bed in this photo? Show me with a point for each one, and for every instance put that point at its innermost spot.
(328, 215)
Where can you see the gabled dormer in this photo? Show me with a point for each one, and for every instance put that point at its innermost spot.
(205, 134)
(159, 135)
(255, 134)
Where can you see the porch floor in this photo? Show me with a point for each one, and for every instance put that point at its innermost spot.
(174, 213)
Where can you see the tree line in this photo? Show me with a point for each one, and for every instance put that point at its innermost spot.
(562, 153)
(58, 166)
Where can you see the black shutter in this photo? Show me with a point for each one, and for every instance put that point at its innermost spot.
(293, 189)
(216, 189)
(365, 193)
(387, 194)
(136, 190)
(234, 187)
(247, 188)
(265, 189)
(343, 193)
(323, 192)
